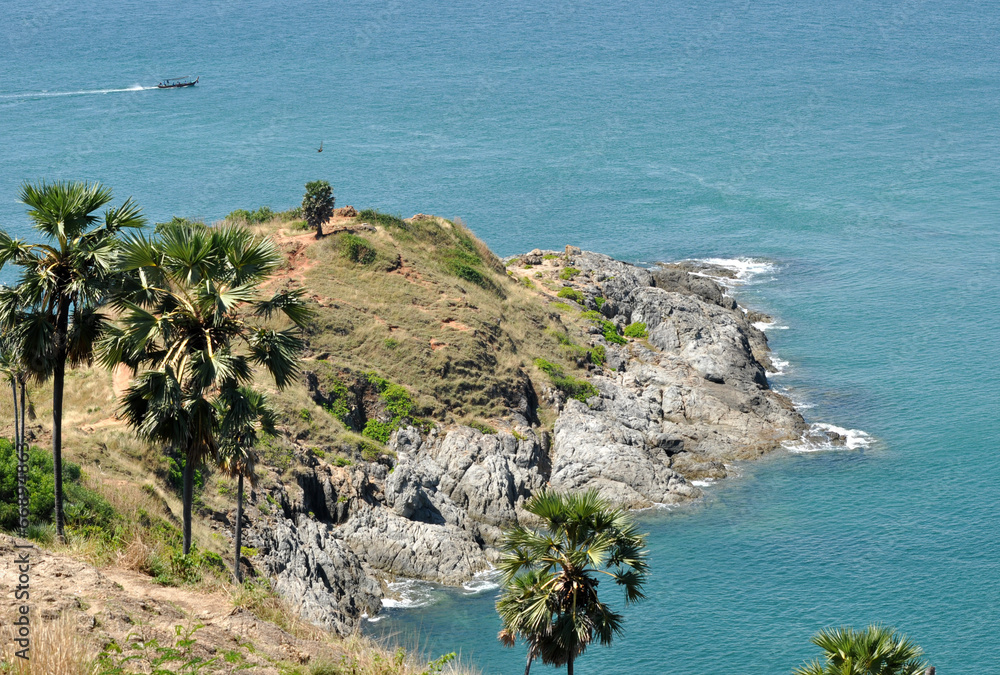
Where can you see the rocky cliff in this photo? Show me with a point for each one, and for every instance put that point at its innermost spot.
(664, 409)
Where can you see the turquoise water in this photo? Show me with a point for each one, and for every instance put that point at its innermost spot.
(854, 145)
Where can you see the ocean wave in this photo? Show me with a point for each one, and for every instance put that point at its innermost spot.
(410, 593)
(741, 270)
(820, 437)
(779, 366)
(768, 325)
(482, 582)
(703, 483)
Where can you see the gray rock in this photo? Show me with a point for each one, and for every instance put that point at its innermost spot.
(317, 573)
(672, 408)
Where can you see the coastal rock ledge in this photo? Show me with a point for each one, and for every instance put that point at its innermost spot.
(671, 410)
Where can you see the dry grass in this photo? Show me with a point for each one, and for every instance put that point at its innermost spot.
(364, 656)
(463, 350)
(355, 654)
(56, 649)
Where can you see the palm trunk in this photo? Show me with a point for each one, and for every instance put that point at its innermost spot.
(239, 528)
(527, 668)
(569, 664)
(188, 498)
(22, 460)
(58, 381)
(17, 432)
(24, 437)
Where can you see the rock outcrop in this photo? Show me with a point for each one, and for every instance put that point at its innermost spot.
(670, 409)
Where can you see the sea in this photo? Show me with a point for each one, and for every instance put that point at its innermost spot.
(843, 156)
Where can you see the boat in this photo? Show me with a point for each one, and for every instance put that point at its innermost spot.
(178, 82)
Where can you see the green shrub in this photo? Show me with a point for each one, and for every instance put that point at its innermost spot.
(464, 262)
(573, 387)
(319, 453)
(576, 388)
(609, 330)
(390, 343)
(549, 256)
(342, 461)
(636, 330)
(372, 216)
(377, 431)
(397, 401)
(143, 654)
(527, 283)
(598, 355)
(83, 507)
(337, 399)
(560, 337)
(571, 293)
(612, 336)
(568, 273)
(261, 215)
(512, 261)
(356, 249)
(600, 300)
(563, 306)
(547, 367)
(482, 427)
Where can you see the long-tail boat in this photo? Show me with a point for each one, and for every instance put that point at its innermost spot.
(178, 82)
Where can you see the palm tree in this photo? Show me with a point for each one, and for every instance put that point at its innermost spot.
(63, 282)
(245, 413)
(317, 205)
(876, 650)
(550, 577)
(13, 368)
(194, 325)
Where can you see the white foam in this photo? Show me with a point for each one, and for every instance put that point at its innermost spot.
(482, 582)
(703, 483)
(744, 269)
(410, 593)
(82, 92)
(779, 366)
(816, 439)
(768, 325)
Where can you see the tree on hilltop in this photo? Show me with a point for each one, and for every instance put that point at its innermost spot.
(317, 205)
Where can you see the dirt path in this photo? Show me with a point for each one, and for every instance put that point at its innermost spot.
(112, 604)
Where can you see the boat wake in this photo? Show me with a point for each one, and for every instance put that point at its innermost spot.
(82, 92)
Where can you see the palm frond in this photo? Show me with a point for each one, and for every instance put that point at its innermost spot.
(287, 302)
(278, 352)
